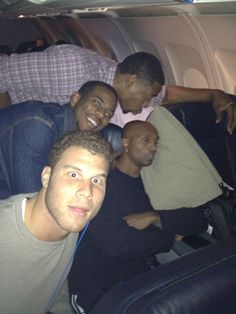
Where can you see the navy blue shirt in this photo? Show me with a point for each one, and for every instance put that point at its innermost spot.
(111, 251)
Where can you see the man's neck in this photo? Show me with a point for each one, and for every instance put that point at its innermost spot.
(127, 167)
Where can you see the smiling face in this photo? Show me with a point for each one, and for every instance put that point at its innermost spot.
(75, 189)
(94, 110)
(135, 94)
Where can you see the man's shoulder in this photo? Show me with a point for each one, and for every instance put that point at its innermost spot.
(30, 112)
(40, 108)
(117, 179)
(13, 201)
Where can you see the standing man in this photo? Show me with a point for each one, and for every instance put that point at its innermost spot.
(38, 233)
(28, 131)
(53, 75)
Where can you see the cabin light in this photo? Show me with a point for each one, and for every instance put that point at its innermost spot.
(38, 1)
(89, 10)
(207, 1)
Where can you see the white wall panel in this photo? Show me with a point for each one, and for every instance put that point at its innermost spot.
(219, 37)
(112, 31)
(177, 46)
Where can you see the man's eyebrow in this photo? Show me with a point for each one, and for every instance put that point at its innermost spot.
(80, 170)
(100, 98)
(72, 166)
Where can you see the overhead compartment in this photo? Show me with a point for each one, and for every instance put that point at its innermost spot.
(88, 4)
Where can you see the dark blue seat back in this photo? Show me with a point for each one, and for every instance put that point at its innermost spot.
(203, 281)
(112, 133)
(199, 120)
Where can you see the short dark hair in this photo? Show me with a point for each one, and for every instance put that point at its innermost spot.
(5, 49)
(89, 86)
(143, 64)
(88, 140)
(138, 124)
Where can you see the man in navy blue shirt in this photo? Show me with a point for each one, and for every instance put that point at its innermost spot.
(127, 233)
(28, 131)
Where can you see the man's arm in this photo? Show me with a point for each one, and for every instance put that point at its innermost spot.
(5, 100)
(141, 221)
(30, 144)
(116, 238)
(219, 99)
(184, 221)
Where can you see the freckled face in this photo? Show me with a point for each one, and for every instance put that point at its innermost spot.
(76, 189)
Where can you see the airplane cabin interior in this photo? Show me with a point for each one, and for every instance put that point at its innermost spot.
(195, 41)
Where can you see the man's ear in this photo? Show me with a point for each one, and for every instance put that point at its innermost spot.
(125, 143)
(130, 80)
(45, 176)
(74, 99)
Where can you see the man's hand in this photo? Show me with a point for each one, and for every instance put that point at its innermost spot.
(5, 100)
(222, 102)
(178, 237)
(219, 99)
(143, 220)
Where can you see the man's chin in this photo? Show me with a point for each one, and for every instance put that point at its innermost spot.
(77, 229)
(148, 163)
(89, 127)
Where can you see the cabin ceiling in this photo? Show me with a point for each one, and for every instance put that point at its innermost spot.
(14, 8)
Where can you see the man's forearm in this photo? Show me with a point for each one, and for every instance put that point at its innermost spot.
(5, 100)
(175, 94)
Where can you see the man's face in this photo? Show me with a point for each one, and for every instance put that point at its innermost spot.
(137, 95)
(75, 189)
(142, 145)
(94, 111)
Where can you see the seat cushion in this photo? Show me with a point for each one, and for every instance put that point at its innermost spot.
(181, 175)
(203, 281)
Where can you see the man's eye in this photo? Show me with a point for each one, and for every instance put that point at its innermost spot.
(108, 115)
(97, 103)
(98, 181)
(73, 174)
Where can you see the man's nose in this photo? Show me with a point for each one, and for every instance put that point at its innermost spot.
(84, 189)
(101, 113)
(153, 147)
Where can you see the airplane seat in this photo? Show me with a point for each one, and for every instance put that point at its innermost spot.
(112, 133)
(203, 281)
(199, 120)
(220, 147)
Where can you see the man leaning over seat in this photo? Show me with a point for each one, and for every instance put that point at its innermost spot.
(53, 74)
(28, 131)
